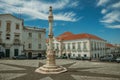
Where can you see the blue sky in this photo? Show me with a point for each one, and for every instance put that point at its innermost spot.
(98, 17)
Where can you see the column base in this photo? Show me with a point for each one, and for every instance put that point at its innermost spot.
(45, 69)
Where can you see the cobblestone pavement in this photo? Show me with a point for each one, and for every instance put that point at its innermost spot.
(77, 70)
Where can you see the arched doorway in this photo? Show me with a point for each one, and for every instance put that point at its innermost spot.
(69, 55)
(29, 55)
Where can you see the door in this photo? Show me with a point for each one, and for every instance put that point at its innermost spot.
(16, 52)
(7, 52)
(29, 55)
(39, 55)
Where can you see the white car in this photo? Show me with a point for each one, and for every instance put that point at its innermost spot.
(118, 59)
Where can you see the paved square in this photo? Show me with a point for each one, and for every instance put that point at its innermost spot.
(77, 70)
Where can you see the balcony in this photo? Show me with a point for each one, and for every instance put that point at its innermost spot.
(79, 50)
(6, 45)
(16, 42)
(85, 50)
(73, 50)
(0, 41)
(16, 37)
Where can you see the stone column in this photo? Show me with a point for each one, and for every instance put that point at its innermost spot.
(50, 67)
(50, 52)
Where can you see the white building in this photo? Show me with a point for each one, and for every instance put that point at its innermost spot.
(34, 41)
(13, 36)
(112, 49)
(79, 45)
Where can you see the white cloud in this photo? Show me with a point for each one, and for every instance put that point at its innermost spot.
(116, 5)
(113, 26)
(102, 2)
(69, 16)
(103, 11)
(111, 17)
(111, 13)
(36, 9)
(74, 4)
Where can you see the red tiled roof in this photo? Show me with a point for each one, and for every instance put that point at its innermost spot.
(109, 45)
(65, 34)
(71, 36)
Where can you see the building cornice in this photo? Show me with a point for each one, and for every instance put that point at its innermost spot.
(11, 15)
(34, 29)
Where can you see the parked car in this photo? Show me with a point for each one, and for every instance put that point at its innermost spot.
(20, 57)
(64, 57)
(118, 59)
(43, 57)
(107, 58)
(85, 58)
(35, 57)
(78, 58)
(39, 57)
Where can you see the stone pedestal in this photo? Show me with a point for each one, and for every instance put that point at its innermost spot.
(50, 67)
(45, 69)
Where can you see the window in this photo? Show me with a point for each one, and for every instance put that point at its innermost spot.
(73, 55)
(7, 51)
(79, 55)
(84, 45)
(8, 24)
(79, 45)
(73, 45)
(7, 36)
(95, 45)
(17, 35)
(0, 38)
(17, 26)
(53, 47)
(100, 46)
(91, 45)
(0, 23)
(39, 35)
(30, 34)
(16, 40)
(39, 46)
(57, 46)
(95, 55)
(0, 35)
(98, 55)
(63, 46)
(29, 45)
(68, 45)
